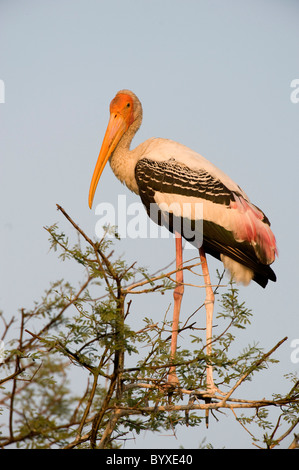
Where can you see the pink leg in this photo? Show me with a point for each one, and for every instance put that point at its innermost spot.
(209, 303)
(177, 295)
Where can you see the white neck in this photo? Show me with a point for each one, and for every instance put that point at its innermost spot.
(123, 160)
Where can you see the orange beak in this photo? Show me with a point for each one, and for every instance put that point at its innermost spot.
(117, 126)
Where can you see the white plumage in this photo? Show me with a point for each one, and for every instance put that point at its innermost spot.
(177, 179)
(177, 185)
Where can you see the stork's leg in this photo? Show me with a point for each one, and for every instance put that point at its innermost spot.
(209, 304)
(177, 295)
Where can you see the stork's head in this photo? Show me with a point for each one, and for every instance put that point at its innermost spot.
(125, 113)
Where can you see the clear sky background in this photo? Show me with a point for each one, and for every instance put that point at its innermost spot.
(213, 75)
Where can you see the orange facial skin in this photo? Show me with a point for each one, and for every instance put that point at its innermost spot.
(121, 117)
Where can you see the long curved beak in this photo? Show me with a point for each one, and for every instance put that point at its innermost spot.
(116, 128)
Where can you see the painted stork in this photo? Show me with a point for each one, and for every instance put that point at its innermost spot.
(174, 182)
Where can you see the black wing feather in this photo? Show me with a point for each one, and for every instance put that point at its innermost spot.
(173, 177)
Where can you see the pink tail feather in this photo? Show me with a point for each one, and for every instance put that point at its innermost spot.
(252, 226)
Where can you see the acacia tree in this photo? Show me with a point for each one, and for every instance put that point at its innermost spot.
(123, 371)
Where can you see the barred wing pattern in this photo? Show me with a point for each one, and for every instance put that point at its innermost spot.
(205, 211)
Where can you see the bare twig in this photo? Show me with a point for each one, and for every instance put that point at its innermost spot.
(251, 369)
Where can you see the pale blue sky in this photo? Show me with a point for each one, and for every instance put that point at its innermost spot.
(213, 75)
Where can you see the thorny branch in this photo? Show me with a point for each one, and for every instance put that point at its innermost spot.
(103, 413)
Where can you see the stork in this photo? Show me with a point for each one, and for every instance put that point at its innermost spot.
(177, 185)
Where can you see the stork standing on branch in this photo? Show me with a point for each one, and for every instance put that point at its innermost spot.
(195, 200)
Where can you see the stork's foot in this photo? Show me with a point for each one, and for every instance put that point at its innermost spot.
(210, 395)
(172, 380)
(172, 386)
(213, 390)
